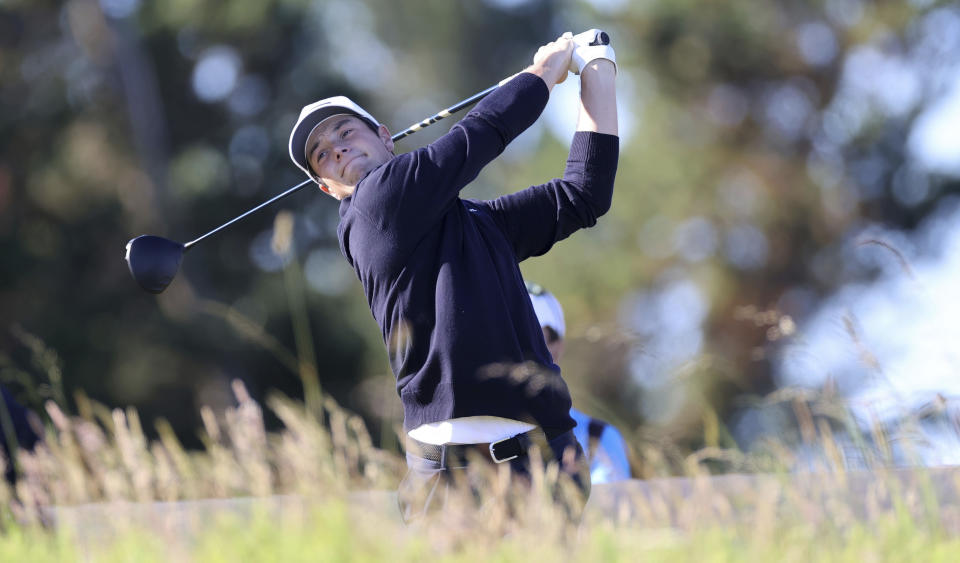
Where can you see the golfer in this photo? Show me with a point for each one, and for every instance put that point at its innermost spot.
(604, 445)
(441, 273)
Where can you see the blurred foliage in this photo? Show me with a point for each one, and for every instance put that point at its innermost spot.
(754, 151)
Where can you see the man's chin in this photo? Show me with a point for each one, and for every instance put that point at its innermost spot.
(359, 173)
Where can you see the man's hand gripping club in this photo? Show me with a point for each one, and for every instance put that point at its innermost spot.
(591, 45)
(571, 53)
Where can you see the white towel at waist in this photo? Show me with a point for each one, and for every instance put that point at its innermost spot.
(469, 430)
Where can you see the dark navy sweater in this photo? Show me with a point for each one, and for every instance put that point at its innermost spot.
(441, 273)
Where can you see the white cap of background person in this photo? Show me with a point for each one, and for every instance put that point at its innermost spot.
(548, 309)
(311, 116)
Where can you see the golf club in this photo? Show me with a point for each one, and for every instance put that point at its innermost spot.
(154, 261)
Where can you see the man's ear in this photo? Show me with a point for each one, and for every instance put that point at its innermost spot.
(327, 191)
(385, 136)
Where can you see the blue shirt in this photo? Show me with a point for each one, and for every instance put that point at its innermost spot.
(441, 273)
(608, 456)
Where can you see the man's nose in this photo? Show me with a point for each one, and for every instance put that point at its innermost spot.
(339, 152)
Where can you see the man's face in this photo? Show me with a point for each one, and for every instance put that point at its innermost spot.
(343, 149)
(554, 343)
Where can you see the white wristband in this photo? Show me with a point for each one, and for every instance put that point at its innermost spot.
(583, 55)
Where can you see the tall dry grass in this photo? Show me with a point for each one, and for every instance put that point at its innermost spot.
(319, 486)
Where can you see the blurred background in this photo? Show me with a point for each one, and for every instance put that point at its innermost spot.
(784, 227)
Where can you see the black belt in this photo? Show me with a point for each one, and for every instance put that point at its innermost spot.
(500, 451)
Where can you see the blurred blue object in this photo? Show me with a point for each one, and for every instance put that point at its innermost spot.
(604, 446)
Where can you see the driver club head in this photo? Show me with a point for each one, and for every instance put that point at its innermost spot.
(154, 261)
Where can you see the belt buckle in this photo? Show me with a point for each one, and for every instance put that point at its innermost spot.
(494, 455)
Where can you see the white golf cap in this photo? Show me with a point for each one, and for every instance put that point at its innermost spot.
(311, 116)
(548, 309)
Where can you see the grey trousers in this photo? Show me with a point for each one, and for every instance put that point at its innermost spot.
(428, 484)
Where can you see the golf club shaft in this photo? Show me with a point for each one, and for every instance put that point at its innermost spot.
(257, 208)
(412, 129)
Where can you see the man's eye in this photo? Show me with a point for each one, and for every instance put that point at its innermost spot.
(321, 155)
(344, 134)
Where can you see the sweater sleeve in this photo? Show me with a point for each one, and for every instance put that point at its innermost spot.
(412, 191)
(536, 218)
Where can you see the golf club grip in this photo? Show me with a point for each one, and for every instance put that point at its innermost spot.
(592, 37)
